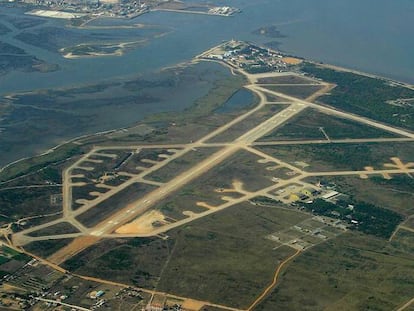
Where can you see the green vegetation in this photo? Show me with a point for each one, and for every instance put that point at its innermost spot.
(222, 90)
(228, 248)
(291, 79)
(108, 207)
(135, 261)
(248, 123)
(60, 228)
(46, 248)
(181, 164)
(25, 202)
(60, 114)
(298, 91)
(10, 253)
(30, 165)
(241, 167)
(361, 216)
(395, 194)
(351, 272)
(404, 241)
(328, 157)
(22, 62)
(365, 96)
(308, 124)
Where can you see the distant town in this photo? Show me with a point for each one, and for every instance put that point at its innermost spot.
(77, 9)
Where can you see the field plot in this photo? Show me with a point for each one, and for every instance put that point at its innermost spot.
(410, 221)
(185, 131)
(181, 164)
(135, 261)
(354, 272)
(231, 180)
(252, 171)
(373, 98)
(288, 79)
(146, 158)
(273, 99)
(336, 157)
(230, 248)
(311, 124)
(247, 124)
(27, 202)
(47, 247)
(404, 241)
(60, 228)
(85, 192)
(298, 91)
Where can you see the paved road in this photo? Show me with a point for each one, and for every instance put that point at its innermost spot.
(139, 207)
(105, 228)
(345, 115)
(57, 302)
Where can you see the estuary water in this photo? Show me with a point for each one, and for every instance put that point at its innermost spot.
(374, 36)
(369, 35)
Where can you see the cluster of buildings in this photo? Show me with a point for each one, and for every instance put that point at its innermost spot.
(115, 8)
(253, 59)
(223, 10)
(109, 8)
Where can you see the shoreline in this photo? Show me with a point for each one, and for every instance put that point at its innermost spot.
(195, 59)
(191, 12)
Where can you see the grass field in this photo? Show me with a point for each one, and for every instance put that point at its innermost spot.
(83, 192)
(46, 248)
(26, 202)
(275, 99)
(365, 96)
(241, 167)
(181, 164)
(290, 79)
(60, 228)
(352, 272)
(118, 201)
(308, 124)
(228, 248)
(298, 91)
(334, 157)
(248, 123)
(30, 165)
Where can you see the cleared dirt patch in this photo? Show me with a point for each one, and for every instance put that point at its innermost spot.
(143, 224)
(193, 305)
(292, 60)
